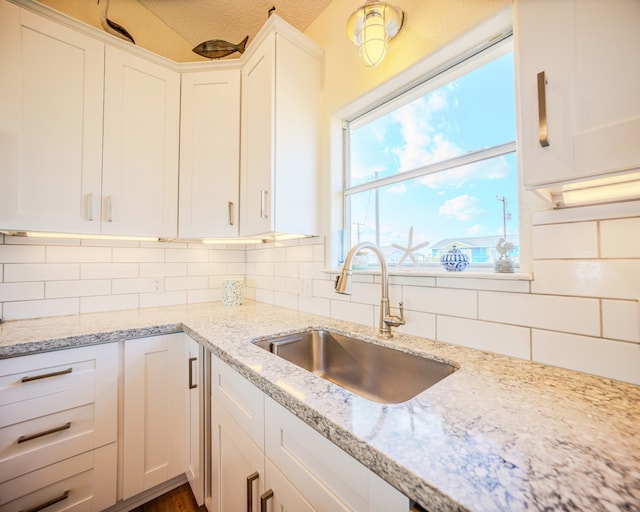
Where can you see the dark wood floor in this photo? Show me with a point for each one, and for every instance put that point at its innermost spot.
(178, 500)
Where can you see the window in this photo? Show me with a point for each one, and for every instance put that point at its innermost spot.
(439, 162)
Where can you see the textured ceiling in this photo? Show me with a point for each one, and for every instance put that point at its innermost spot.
(230, 20)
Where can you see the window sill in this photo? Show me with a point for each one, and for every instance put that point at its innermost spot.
(469, 273)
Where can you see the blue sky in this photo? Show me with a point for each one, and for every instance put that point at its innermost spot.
(473, 112)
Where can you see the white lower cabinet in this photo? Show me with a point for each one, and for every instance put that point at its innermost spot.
(154, 448)
(58, 429)
(265, 458)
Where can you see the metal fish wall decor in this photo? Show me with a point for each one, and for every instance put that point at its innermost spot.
(111, 27)
(217, 48)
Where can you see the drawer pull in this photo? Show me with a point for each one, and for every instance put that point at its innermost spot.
(24, 439)
(264, 499)
(250, 479)
(191, 384)
(46, 504)
(47, 375)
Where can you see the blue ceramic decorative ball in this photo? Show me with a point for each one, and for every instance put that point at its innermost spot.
(454, 260)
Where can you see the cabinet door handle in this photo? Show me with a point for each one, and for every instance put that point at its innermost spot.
(23, 439)
(90, 207)
(191, 384)
(47, 375)
(46, 504)
(110, 209)
(264, 499)
(250, 479)
(230, 207)
(542, 110)
(263, 204)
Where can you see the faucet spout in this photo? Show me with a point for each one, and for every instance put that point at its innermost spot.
(343, 286)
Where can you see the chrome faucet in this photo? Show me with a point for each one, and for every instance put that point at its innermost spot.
(343, 286)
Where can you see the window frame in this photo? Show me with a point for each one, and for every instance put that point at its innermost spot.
(448, 71)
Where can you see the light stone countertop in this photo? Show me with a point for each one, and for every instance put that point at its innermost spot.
(500, 434)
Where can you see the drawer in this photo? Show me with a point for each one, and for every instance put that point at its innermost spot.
(85, 482)
(329, 478)
(27, 377)
(39, 442)
(243, 401)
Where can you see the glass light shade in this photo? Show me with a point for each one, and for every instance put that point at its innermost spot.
(374, 40)
(371, 27)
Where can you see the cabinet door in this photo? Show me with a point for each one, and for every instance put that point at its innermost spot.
(286, 497)
(140, 162)
(237, 465)
(591, 89)
(327, 477)
(257, 146)
(194, 415)
(154, 404)
(209, 154)
(51, 125)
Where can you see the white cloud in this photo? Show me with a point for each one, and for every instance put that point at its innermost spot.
(422, 143)
(461, 208)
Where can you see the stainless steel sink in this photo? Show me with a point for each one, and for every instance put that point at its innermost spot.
(372, 371)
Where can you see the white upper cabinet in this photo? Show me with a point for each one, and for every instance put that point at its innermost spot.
(209, 154)
(140, 152)
(281, 82)
(589, 98)
(50, 125)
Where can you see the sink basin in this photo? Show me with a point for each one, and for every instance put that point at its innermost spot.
(372, 371)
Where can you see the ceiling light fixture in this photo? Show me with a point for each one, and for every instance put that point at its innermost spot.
(371, 27)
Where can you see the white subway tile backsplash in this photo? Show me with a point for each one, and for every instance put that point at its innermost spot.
(419, 324)
(57, 254)
(135, 285)
(569, 314)
(172, 298)
(353, 312)
(137, 255)
(615, 279)
(108, 303)
(22, 254)
(562, 241)
(59, 289)
(207, 295)
(14, 272)
(620, 238)
(186, 283)
(614, 359)
(299, 253)
(621, 320)
(21, 291)
(285, 269)
(315, 305)
(108, 270)
(285, 300)
(207, 269)
(186, 255)
(488, 336)
(496, 285)
(163, 269)
(443, 301)
(40, 308)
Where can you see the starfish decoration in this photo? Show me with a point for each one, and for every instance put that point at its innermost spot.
(410, 249)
